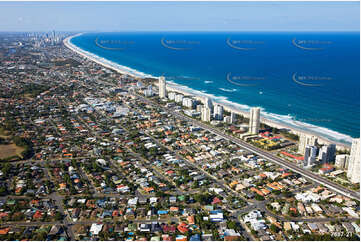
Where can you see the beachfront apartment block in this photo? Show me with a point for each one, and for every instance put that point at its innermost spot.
(306, 139)
(188, 102)
(327, 153)
(218, 112)
(179, 98)
(149, 91)
(227, 119)
(353, 171)
(171, 96)
(341, 161)
(162, 87)
(254, 120)
(233, 117)
(206, 114)
(208, 103)
(310, 155)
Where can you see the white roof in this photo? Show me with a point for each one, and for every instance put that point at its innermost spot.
(350, 212)
(216, 216)
(133, 201)
(96, 228)
(153, 200)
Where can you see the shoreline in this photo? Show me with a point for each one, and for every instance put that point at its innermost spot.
(322, 140)
(171, 86)
(101, 61)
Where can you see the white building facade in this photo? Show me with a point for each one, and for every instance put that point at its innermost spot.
(206, 114)
(353, 171)
(162, 87)
(254, 120)
(305, 140)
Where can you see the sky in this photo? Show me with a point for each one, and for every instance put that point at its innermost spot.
(179, 16)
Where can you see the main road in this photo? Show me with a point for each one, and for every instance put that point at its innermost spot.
(264, 154)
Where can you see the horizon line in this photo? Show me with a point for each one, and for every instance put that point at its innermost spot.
(220, 31)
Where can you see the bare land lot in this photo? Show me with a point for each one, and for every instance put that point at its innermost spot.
(10, 150)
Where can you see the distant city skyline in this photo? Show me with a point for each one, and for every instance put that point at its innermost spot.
(179, 16)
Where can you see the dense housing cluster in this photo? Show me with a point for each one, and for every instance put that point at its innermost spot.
(87, 154)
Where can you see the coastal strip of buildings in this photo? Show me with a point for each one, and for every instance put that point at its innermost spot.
(312, 153)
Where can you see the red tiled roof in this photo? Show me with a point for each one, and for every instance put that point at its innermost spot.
(37, 214)
(4, 231)
(182, 227)
(216, 200)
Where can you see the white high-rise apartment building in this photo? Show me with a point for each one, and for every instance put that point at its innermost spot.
(179, 98)
(327, 153)
(305, 140)
(227, 119)
(353, 171)
(199, 108)
(187, 102)
(254, 120)
(208, 103)
(233, 117)
(162, 87)
(206, 114)
(149, 91)
(218, 112)
(341, 161)
(310, 155)
(171, 96)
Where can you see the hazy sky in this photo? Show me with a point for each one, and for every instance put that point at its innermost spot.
(177, 16)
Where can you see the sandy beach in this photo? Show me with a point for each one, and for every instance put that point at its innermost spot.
(118, 68)
(175, 88)
(197, 95)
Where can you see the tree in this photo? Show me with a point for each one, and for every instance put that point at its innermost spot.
(3, 191)
(231, 225)
(287, 193)
(6, 168)
(215, 234)
(41, 236)
(259, 197)
(274, 228)
(58, 216)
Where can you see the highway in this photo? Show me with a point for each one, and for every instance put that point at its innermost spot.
(264, 154)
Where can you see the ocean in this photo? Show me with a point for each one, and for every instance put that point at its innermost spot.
(308, 80)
